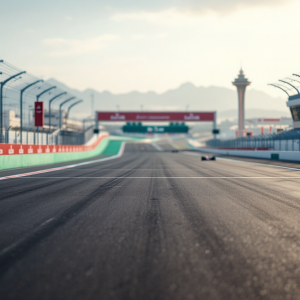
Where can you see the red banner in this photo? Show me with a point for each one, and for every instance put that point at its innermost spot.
(269, 120)
(156, 116)
(272, 120)
(38, 114)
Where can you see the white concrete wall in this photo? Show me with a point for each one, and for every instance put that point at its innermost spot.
(287, 150)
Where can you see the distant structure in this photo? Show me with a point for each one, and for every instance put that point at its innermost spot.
(241, 83)
(293, 99)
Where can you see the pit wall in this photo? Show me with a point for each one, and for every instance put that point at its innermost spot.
(266, 154)
(33, 155)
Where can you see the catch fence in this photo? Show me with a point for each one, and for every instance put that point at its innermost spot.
(284, 141)
(44, 138)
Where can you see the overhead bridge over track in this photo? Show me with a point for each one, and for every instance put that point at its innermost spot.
(138, 117)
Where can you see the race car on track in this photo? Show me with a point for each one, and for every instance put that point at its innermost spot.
(208, 157)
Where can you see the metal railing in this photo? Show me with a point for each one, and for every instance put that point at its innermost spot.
(28, 137)
(284, 141)
(57, 137)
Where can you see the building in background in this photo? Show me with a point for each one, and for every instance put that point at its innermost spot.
(255, 126)
(72, 125)
(241, 83)
(11, 119)
(294, 105)
(259, 126)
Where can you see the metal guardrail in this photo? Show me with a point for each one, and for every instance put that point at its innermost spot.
(284, 141)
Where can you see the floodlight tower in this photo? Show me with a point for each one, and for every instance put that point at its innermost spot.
(241, 83)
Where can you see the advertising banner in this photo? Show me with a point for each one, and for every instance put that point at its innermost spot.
(14, 149)
(38, 114)
(156, 116)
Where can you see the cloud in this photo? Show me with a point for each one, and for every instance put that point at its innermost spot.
(144, 37)
(122, 6)
(225, 5)
(174, 10)
(139, 37)
(64, 47)
(152, 10)
(165, 15)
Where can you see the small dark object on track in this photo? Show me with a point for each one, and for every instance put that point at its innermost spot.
(175, 151)
(208, 158)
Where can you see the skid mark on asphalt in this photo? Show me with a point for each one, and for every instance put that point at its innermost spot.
(18, 249)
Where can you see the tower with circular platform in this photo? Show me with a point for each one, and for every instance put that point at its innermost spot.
(241, 83)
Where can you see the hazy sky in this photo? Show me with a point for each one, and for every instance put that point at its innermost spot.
(121, 45)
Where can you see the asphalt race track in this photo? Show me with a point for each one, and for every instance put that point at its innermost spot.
(151, 225)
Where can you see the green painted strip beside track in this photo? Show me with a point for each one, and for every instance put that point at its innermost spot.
(108, 146)
(112, 148)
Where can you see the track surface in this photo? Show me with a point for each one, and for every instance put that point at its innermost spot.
(151, 225)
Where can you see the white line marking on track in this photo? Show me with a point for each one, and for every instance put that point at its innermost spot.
(157, 147)
(161, 177)
(121, 151)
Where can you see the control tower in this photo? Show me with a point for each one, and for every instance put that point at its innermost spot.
(241, 83)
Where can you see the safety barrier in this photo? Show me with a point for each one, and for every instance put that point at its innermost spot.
(240, 149)
(284, 141)
(17, 156)
(265, 154)
(15, 149)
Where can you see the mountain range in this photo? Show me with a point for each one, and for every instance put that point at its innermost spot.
(185, 97)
